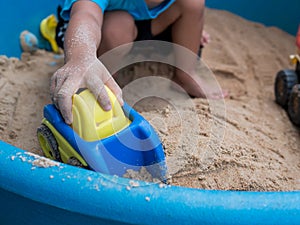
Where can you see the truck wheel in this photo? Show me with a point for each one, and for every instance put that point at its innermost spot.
(298, 69)
(294, 105)
(75, 162)
(48, 143)
(285, 80)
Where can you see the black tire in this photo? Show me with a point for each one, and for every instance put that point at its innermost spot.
(285, 80)
(48, 143)
(75, 162)
(298, 70)
(294, 105)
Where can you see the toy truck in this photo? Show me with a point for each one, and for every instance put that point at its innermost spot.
(110, 142)
(287, 87)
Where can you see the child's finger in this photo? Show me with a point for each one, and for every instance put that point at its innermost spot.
(114, 87)
(96, 86)
(64, 102)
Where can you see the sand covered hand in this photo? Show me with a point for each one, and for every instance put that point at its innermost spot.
(74, 75)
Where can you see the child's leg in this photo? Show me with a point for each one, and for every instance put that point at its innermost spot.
(118, 28)
(186, 17)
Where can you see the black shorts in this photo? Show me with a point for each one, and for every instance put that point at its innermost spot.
(144, 32)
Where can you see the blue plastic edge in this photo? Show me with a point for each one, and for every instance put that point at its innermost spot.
(94, 198)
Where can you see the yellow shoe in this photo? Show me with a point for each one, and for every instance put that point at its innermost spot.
(48, 31)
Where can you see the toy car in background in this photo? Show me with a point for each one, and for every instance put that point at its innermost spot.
(287, 87)
(110, 142)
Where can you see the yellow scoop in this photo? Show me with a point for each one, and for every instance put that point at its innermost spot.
(48, 31)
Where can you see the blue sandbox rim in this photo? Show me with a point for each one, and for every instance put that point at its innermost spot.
(54, 195)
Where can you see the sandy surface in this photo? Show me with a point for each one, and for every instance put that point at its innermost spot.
(253, 146)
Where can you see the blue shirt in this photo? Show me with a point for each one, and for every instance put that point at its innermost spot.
(137, 8)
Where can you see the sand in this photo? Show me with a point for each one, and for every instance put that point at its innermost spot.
(253, 146)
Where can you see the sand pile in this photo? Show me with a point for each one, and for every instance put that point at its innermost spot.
(253, 147)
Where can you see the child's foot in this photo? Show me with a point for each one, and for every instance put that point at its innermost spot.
(205, 39)
(196, 88)
(28, 41)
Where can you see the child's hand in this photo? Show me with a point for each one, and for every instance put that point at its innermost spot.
(74, 75)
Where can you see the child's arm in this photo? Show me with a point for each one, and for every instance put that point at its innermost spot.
(82, 68)
(83, 35)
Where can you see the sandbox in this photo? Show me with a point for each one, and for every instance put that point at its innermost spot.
(254, 175)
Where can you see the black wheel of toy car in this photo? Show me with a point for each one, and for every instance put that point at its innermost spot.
(285, 80)
(48, 143)
(75, 162)
(298, 69)
(294, 105)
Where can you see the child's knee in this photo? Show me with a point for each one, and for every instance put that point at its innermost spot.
(119, 25)
(192, 6)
